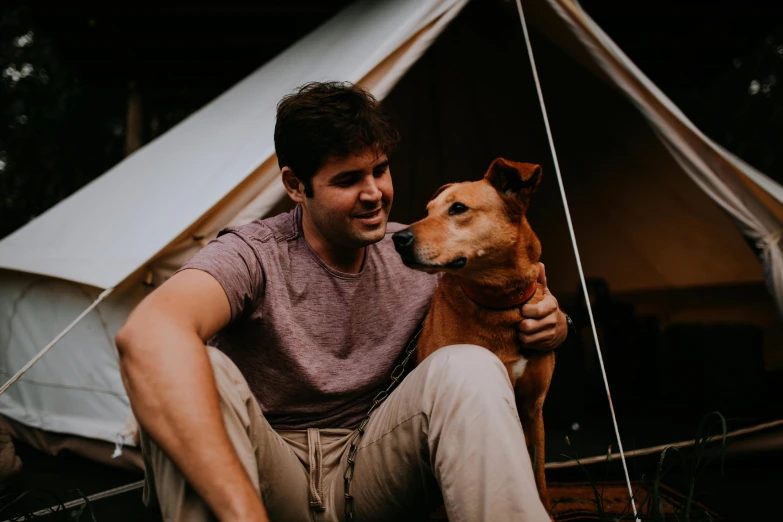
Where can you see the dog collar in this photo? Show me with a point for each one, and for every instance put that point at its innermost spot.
(501, 302)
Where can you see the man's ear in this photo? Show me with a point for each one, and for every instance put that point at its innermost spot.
(513, 179)
(294, 187)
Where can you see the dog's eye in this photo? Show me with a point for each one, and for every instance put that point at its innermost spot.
(457, 208)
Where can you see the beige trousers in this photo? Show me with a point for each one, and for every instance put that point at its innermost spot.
(449, 433)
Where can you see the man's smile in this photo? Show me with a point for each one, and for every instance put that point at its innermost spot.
(372, 217)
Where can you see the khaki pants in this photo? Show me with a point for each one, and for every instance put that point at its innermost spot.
(450, 428)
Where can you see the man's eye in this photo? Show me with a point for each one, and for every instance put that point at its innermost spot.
(345, 182)
(457, 208)
(380, 172)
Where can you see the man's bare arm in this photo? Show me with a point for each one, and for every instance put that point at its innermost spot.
(168, 376)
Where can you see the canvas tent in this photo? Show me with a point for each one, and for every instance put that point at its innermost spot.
(629, 158)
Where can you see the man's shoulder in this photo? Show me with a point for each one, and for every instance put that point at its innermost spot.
(392, 227)
(276, 229)
(386, 244)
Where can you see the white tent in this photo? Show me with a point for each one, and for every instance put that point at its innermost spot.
(132, 227)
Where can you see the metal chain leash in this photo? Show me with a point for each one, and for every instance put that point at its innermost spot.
(397, 372)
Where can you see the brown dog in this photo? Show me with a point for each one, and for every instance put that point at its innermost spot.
(477, 234)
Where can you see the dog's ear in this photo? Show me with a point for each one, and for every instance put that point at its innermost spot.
(514, 180)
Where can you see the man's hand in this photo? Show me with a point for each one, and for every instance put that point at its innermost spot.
(543, 326)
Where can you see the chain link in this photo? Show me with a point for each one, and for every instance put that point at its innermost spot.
(398, 372)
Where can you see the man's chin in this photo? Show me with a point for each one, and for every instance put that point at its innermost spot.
(373, 235)
(376, 236)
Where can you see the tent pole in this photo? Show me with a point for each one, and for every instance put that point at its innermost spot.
(657, 449)
(133, 486)
(54, 341)
(576, 251)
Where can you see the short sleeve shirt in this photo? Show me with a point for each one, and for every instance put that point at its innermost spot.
(314, 344)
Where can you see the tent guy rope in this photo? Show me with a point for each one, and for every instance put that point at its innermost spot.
(576, 251)
(54, 341)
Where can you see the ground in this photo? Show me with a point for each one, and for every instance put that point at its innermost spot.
(742, 492)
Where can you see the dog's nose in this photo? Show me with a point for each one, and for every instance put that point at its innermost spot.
(403, 240)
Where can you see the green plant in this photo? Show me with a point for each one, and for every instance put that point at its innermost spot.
(701, 457)
(691, 462)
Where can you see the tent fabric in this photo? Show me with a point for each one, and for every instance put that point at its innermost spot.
(465, 100)
(561, 19)
(629, 199)
(107, 230)
(269, 192)
(166, 200)
(76, 388)
(729, 181)
(93, 449)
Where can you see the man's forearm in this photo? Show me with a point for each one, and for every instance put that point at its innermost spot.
(169, 379)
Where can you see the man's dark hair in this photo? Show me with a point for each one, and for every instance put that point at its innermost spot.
(331, 119)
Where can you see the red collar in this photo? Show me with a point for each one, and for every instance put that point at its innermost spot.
(501, 302)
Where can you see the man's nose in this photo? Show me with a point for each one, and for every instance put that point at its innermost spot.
(370, 190)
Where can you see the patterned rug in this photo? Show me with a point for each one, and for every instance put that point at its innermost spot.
(574, 501)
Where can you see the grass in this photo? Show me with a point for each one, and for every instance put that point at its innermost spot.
(691, 462)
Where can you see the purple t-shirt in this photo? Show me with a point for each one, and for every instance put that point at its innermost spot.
(314, 344)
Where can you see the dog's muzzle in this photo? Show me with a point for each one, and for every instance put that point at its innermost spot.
(403, 243)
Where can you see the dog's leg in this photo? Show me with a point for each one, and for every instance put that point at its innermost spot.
(537, 435)
(533, 427)
(530, 405)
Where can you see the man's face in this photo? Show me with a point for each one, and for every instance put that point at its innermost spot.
(352, 197)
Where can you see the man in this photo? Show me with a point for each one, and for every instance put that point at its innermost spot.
(310, 312)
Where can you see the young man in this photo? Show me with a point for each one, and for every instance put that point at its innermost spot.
(308, 313)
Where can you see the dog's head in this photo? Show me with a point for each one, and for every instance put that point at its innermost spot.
(476, 226)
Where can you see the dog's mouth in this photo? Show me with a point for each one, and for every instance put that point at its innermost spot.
(414, 263)
(457, 263)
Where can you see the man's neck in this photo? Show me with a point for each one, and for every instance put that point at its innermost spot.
(346, 260)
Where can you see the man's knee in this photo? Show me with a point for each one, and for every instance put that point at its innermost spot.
(466, 367)
(464, 382)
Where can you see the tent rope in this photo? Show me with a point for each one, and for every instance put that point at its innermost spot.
(54, 341)
(576, 251)
(767, 241)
